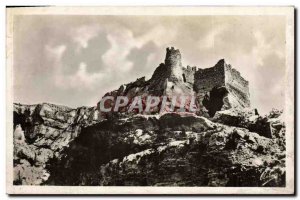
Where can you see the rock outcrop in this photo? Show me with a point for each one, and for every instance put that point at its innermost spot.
(170, 150)
(47, 130)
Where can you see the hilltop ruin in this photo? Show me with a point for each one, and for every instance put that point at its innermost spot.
(216, 88)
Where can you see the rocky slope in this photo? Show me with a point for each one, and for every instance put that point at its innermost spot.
(172, 149)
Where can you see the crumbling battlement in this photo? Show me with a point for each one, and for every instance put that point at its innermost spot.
(188, 74)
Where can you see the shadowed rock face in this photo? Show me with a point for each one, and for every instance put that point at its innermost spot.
(226, 143)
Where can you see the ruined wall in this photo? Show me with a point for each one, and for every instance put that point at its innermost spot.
(222, 74)
(237, 86)
(208, 78)
(189, 74)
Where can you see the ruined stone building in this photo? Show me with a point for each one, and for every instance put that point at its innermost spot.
(216, 88)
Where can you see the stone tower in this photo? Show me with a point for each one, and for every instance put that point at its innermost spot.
(173, 64)
(173, 57)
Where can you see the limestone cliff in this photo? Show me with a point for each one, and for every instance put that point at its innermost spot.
(47, 129)
(167, 150)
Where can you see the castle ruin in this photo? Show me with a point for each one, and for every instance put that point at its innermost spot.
(216, 88)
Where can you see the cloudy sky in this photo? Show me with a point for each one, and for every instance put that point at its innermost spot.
(74, 60)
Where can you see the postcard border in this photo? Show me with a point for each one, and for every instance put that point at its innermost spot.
(166, 10)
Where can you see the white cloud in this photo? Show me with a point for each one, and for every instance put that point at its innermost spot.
(121, 42)
(263, 48)
(208, 42)
(160, 35)
(55, 53)
(84, 34)
(81, 79)
(114, 59)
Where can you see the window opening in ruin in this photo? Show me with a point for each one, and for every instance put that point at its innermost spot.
(184, 79)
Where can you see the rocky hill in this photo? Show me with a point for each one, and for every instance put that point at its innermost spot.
(225, 143)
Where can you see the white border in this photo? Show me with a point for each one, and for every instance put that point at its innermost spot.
(167, 10)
